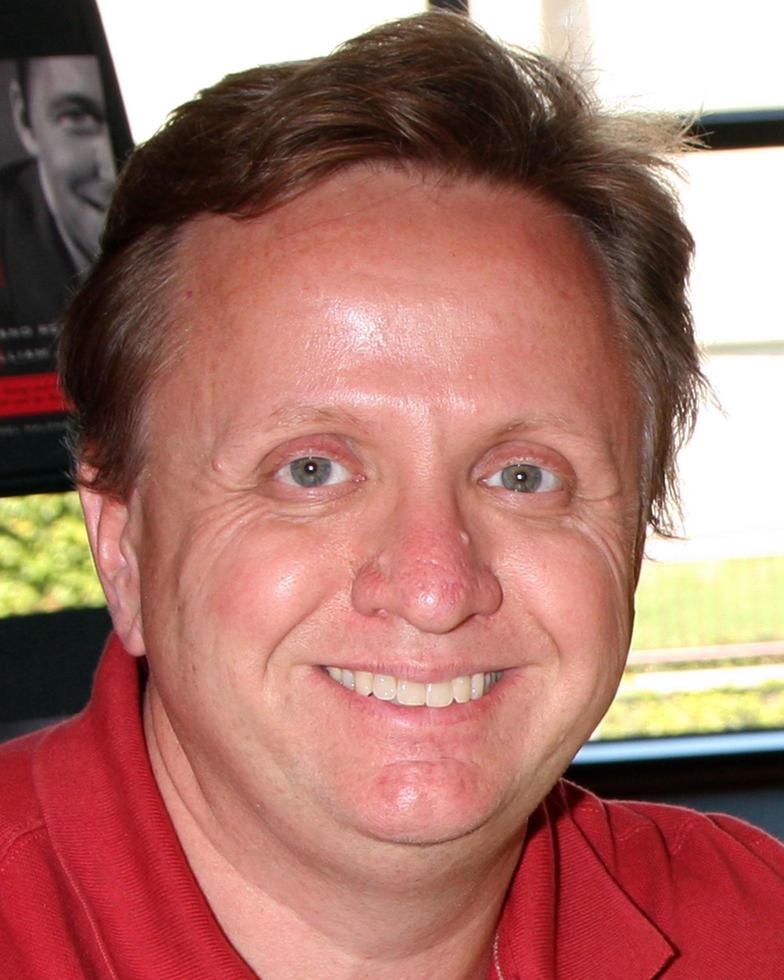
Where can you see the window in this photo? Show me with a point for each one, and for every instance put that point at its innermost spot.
(708, 651)
(188, 46)
(709, 646)
(687, 57)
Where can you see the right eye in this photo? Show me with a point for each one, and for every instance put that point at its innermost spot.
(312, 471)
(79, 118)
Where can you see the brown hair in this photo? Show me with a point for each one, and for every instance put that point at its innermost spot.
(433, 91)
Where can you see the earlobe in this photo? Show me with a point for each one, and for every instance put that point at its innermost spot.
(109, 523)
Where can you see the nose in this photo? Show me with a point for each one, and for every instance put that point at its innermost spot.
(428, 573)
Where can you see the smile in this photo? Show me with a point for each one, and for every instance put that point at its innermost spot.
(439, 694)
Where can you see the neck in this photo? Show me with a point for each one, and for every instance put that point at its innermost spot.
(371, 909)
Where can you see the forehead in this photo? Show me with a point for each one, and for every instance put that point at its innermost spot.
(379, 284)
(55, 77)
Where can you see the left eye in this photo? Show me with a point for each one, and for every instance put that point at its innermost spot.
(313, 471)
(80, 122)
(525, 478)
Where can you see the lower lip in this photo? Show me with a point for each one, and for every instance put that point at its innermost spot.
(418, 715)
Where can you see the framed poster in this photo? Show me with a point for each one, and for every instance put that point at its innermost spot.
(63, 136)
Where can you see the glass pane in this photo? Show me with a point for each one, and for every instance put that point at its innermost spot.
(165, 52)
(709, 644)
(693, 56)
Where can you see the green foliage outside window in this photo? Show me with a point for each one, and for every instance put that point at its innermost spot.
(45, 561)
(695, 712)
(709, 603)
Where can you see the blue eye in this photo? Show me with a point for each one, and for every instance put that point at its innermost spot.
(525, 478)
(313, 471)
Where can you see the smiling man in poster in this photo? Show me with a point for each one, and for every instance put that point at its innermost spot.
(53, 203)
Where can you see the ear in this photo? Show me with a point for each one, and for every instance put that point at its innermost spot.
(110, 526)
(21, 117)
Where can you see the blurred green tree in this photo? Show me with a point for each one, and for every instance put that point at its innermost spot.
(45, 560)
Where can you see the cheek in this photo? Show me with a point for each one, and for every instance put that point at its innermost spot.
(80, 166)
(573, 593)
(261, 585)
(578, 589)
(59, 162)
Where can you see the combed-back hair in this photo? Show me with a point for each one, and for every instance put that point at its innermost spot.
(432, 92)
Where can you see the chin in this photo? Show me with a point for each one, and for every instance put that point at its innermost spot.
(427, 803)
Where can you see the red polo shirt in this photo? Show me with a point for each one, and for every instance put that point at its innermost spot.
(93, 882)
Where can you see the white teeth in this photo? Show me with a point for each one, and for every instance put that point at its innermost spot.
(461, 689)
(440, 694)
(363, 681)
(384, 688)
(410, 692)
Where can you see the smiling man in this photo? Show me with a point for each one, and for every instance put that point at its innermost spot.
(53, 204)
(377, 384)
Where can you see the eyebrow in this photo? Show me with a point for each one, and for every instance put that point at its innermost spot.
(570, 428)
(544, 420)
(291, 416)
(294, 415)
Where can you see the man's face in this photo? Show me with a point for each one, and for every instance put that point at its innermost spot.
(64, 126)
(401, 447)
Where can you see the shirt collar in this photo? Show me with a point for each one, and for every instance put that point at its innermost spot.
(567, 916)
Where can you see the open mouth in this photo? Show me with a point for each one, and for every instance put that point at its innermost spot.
(439, 694)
